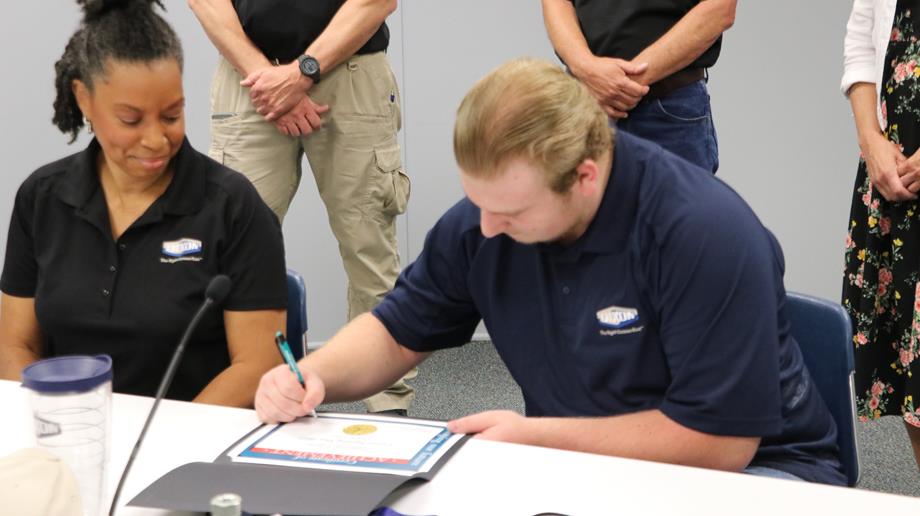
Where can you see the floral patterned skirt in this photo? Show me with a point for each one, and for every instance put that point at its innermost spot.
(881, 292)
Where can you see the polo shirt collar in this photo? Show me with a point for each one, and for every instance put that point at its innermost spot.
(79, 184)
(608, 233)
(184, 195)
(186, 192)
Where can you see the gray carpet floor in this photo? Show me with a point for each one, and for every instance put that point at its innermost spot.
(456, 382)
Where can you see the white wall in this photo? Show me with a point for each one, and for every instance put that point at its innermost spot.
(786, 138)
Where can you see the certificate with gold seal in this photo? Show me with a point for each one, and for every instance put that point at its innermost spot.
(350, 442)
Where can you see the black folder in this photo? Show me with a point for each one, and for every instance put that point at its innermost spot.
(270, 489)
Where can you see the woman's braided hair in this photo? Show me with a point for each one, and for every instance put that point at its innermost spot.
(122, 30)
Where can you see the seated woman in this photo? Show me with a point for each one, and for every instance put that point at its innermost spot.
(110, 249)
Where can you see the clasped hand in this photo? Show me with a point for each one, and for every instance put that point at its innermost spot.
(302, 119)
(895, 176)
(279, 93)
(615, 83)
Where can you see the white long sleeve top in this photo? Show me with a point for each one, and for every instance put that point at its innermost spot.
(865, 44)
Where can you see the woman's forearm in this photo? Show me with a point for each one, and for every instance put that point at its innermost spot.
(864, 105)
(235, 386)
(13, 359)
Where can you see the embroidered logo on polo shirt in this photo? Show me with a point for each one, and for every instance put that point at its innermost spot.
(182, 250)
(618, 320)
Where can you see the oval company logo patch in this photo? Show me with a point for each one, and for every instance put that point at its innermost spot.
(181, 247)
(617, 316)
(182, 250)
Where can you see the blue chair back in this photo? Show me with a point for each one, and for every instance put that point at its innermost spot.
(296, 314)
(825, 336)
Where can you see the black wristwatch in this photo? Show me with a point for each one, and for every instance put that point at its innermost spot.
(309, 66)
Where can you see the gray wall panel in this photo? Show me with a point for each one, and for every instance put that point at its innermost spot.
(786, 137)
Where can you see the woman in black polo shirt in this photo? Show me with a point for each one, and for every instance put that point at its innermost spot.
(110, 249)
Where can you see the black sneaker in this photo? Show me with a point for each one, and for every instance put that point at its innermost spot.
(392, 412)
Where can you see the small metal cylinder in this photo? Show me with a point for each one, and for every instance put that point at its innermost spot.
(227, 504)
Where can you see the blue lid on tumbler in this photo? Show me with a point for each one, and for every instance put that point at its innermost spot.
(72, 373)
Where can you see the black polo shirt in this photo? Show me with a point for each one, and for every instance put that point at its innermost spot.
(283, 29)
(132, 298)
(624, 28)
(673, 299)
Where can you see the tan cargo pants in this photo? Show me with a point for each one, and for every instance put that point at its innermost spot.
(356, 163)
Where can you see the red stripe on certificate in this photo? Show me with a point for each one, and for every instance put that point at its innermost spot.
(327, 457)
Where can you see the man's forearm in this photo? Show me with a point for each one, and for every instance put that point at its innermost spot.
(354, 23)
(647, 435)
(222, 25)
(686, 40)
(565, 34)
(362, 359)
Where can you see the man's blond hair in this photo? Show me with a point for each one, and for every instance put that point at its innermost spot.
(530, 109)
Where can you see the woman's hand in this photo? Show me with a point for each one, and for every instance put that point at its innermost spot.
(909, 170)
(883, 161)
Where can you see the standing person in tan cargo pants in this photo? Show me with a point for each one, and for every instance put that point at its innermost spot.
(312, 77)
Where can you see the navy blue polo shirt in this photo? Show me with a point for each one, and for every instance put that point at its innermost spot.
(132, 298)
(673, 299)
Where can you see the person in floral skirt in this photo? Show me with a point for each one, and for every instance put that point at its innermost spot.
(881, 284)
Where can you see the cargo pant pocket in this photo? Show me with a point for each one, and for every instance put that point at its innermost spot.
(394, 183)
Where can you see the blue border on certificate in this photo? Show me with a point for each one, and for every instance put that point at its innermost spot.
(414, 464)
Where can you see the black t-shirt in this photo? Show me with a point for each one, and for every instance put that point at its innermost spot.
(283, 29)
(132, 298)
(623, 28)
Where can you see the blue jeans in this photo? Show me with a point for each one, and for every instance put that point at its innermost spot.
(681, 122)
(762, 471)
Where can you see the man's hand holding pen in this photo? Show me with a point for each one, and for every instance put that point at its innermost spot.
(282, 399)
(288, 391)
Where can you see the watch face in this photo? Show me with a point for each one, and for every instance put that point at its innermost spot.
(308, 66)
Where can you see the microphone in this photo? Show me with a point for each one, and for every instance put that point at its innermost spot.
(217, 291)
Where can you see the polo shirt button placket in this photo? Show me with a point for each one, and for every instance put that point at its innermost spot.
(107, 292)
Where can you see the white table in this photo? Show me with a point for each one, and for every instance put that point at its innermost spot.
(482, 478)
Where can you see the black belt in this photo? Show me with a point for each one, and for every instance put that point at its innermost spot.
(674, 81)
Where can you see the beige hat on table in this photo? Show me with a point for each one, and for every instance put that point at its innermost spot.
(34, 482)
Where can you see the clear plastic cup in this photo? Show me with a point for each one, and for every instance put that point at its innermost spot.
(71, 400)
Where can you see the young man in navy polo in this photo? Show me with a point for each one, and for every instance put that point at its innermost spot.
(636, 299)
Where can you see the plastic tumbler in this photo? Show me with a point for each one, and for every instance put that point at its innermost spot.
(71, 399)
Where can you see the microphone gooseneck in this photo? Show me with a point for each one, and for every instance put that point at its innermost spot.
(217, 291)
